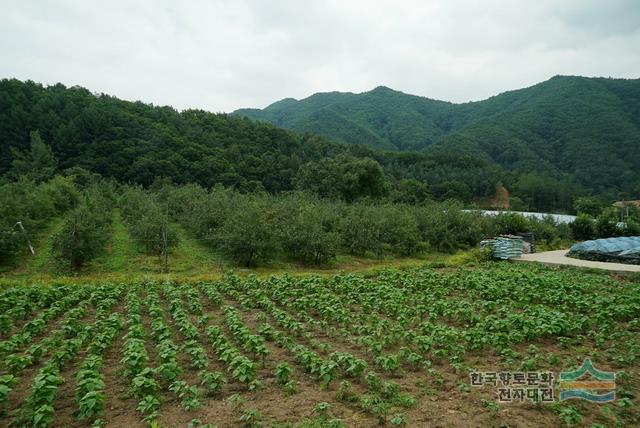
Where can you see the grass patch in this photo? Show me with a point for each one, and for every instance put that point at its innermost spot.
(192, 257)
(43, 260)
(121, 251)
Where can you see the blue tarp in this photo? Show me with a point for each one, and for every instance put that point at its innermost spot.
(624, 249)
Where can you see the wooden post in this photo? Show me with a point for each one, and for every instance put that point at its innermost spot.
(165, 244)
(164, 247)
(33, 252)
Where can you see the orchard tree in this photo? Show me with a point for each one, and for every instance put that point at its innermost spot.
(249, 236)
(84, 233)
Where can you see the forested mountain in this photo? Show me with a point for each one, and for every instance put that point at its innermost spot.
(588, 128)
(381, 118)
(468, 157)
(137, 143)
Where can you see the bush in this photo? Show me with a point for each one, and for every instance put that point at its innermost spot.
(606, 224)
(446, 228)
(250, 229)
(399, 230)
(545, 230)
(583, 228)
(361, 230)
(507, 223)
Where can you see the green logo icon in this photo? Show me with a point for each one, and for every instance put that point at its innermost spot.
(588, 383)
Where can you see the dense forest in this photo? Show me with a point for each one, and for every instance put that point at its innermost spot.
(583, 130)
(96, 134)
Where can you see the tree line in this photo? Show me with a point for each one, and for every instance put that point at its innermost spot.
(340, 205)
(244, 229)
(135, 143)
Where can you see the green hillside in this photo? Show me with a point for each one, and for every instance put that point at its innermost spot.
(588, 128)
(547, 145)
(137, 143)
(381, 118)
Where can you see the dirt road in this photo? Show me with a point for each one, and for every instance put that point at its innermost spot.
(558, 257)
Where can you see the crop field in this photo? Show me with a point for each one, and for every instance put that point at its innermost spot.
(392, 347)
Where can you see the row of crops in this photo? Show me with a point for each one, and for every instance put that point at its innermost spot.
(343, 350)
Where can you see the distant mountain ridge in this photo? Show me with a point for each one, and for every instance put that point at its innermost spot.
(546, 145)
(587, 127)
(358, 118)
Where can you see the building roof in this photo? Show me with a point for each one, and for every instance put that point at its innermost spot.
(622, 204)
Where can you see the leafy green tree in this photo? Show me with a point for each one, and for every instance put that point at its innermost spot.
(148, 221)
(445, 227)
(517, 204)
(202, 212)
(249, 236)
(544, 194)
(410, 191)
(33, 205)
(511, 223)
(607, 223)
(343, 177)
(81, 177)
(588, 205)
(37, 164)
(450, 190)
(399, 229)
(583, 227)
(361, 230)
(308, 229)
(84, 233)
(63, 193)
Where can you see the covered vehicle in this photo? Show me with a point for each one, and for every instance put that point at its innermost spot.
(624, 249)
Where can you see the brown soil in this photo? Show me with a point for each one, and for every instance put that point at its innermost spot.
(450, 403)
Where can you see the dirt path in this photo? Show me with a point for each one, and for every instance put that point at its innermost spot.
(558, 257)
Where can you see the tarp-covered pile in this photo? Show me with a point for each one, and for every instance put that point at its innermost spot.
(504, 248)
(620, 250)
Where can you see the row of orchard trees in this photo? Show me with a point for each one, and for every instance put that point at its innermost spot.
(88, 227)
(247, 229)
(146, 216)
(254, 229)
(32, 205)
(250, 228)
(79, 218)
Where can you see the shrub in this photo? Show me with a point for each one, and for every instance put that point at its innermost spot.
(446, 228)
(583, 228)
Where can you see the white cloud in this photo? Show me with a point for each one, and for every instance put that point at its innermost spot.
(223, 55)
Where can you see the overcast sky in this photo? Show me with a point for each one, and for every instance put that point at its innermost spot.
(223, 55)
